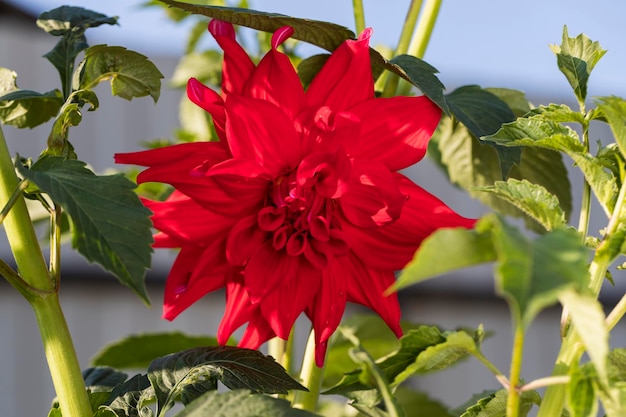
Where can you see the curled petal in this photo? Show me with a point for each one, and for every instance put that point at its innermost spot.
(281, 35)
(237, 67)
(207, 99)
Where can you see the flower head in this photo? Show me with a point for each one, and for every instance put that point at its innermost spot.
(299, 206)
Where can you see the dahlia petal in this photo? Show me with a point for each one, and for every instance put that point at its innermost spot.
(326, 310)
(210, 101)
(181, 291)
(394, 131)
(366, 286)
(239, 310)
(392, 246)
(185, 220)
(346, 77)
(268, 268)
(244, 240)
(373, 198)
(284, 304)
(328, 173)
(237, 67)
(257, 332)
(190, 154)
(281, 35)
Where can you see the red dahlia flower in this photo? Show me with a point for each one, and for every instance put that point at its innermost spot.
(299, 207)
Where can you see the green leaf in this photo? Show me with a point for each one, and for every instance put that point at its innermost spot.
(240, 403)
(110, 225)
(589, 321)
(70, 23)
(493, 404)
(131, 74)
(576, 57)
(617, 364)
(531, 275)
(103, 376)
(129, 398)
(137, 351)
(483, 113)
(614, 110)
(25, 108)
(558, 113)
(464, 248)
(309, 67)
(422, 75)
(205, 66)
(171, 376)
(539, 132)
(323, 34)
(419, 404)
(581, 395)
(532, 199)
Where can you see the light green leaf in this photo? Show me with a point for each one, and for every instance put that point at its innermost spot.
(464, 248)
(25, 108)
(205, 66)
(240, 403)
(493, 404)
(532, 199)
(576, 57)
(538, 132)
(110, 225)
(131, 74)
(581, 395)
(589, 322)
(558, 113)
(182, 374)
(137, 351)
(530, 275)
(614, 110)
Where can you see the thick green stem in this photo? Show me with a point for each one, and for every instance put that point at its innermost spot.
(513, 398)
(57, 343)
(424, 28)
(311, 377)
(359, 15)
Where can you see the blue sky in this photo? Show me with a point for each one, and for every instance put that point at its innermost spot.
(493, 43)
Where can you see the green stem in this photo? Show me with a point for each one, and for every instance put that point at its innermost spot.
(359, 15)
(513, 398)
(616, 314)
(57, 343)
(311, 377)
(424, 28)
(392, 80)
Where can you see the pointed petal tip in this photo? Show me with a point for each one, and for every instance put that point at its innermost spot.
(220, 28)
(281, 35)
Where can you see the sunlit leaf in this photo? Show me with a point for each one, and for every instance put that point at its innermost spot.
(493, 404)
(110, 225)
(240, 403)
(589, 322)
(137, 351)
(179, 374)
(559, 113)
(25, 108)
(131, 74)
(464, 248)
(532, 199)
(581, 395)
(531, 275)
(614, 110)
(576, 57)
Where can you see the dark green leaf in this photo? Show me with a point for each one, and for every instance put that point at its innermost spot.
(58, 143)
(25, 108)
(110, 225)
(531, 275)
(103, 376)
(493, 404)
(129, 398)
(309, 67)
(422, 75)
(234, 367)
(532, 199)
(137, 351)
(576, 57)
(240, 403)
(65, 19)
(464, 248)
(323, 34)
(131, 74)
(581, 395)
(419, 404)
(483, 113)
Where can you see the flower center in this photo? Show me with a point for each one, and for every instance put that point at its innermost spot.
(300, 218)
